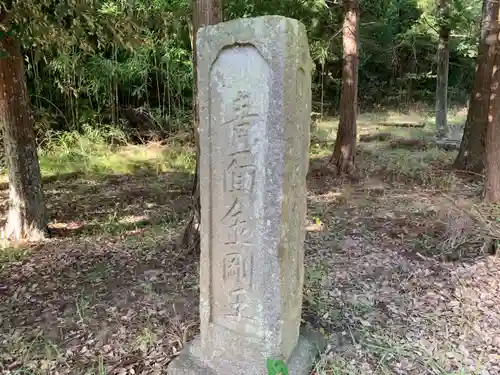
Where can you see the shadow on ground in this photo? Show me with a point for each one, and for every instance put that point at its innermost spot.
(79, 204)
(110, 290)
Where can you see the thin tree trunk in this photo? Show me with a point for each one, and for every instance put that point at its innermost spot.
(471, 154)
(345, 143)
(27, 217)
(205, 12)
(443, 61)
(492, 182)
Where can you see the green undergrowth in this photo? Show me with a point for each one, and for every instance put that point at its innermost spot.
(397, 164)
(9, 255)
(104, 150)
(108, 151)
(409, 166)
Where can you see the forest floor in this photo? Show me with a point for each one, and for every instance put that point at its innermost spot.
(396, 275)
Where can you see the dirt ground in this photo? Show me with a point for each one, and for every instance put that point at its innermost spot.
(396, 275)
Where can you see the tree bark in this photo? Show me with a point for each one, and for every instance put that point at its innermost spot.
(443, 62)
(345, 143)
(26, 218)
(492, 182)
(205, 12)
(471, 153)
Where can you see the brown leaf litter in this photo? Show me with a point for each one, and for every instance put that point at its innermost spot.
(113, 295)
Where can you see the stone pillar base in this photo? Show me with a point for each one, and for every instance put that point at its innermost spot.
(190, 361)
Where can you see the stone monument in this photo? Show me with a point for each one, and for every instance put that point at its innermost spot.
(254, 82)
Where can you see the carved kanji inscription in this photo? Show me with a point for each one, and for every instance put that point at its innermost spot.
(240, 178)
(237, 230)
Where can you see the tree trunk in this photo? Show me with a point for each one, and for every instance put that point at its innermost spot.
(345, 143)
(471, 154)
(27, 217)
(492, 182)
(443, 60)
(205, 12)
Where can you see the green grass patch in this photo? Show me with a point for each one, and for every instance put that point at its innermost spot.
(386, 121)
(9, 255)
(419, 167)
(422, 167)
(322, 141)
(92, 152)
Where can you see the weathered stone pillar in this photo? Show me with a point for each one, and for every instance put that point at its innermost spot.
(254, 83)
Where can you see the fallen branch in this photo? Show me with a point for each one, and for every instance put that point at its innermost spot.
(447, 145)
(410, 144)
(380, 137)
(402, 125)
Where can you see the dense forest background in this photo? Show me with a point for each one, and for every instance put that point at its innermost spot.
(126, 65)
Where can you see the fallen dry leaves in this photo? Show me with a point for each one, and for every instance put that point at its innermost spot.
(111, 294)
(389, 302)
(113, 298)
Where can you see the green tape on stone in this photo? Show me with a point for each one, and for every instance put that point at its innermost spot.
(276, 367)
